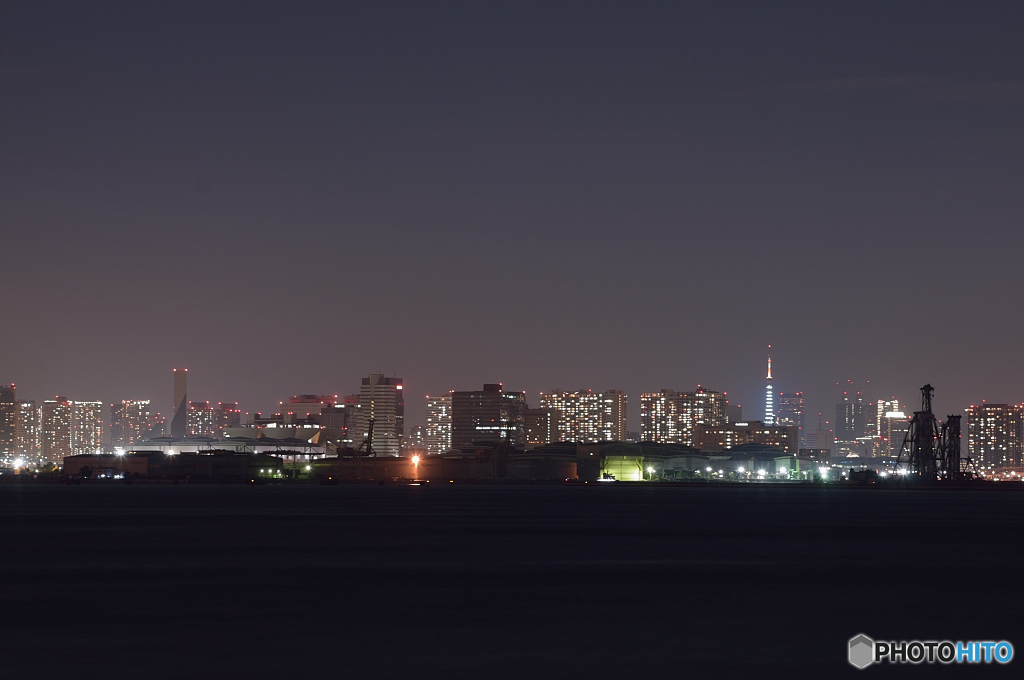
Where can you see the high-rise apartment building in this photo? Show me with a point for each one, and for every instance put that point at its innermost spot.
(438, 433)
(132, 421)
(994, 435)
(488, 414)
(670, 417)
(588, 416)
(200, 419)
(179, 410)
(615, 412)
(55, 416)
(8, 420)
(659, 421)
(26, 439)
(86, 426)
(540, 426)
(382, 400)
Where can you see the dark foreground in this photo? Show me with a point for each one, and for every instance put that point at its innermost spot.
(510, 582)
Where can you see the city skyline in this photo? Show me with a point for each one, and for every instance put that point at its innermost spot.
(261, 399)
(857, 414)
(822, 400)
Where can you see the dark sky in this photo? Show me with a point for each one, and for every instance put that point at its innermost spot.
(285, 197)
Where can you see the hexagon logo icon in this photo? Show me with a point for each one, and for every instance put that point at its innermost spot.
(862, 651)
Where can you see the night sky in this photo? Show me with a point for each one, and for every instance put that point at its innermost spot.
(286, 197)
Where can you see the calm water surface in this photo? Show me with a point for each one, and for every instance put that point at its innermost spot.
(601, 581)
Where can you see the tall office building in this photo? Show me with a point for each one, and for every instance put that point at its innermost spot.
(26, 442)
(994, 435)
(540, 426)
(132, 421)
(852, 420)
(769, 394)
(179, 410)
(670, 417)
(86, 426)
(588, 416)
(55, 429)
(381, 399)
(883, 406)
(791, 413)
(8, 420)
(892, 429)
(438, 433)
(200, 419)
(488, 414)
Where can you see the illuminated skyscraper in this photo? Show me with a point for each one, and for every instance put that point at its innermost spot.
(200, 419)
(892, 428)
(438, 433)
(994, 435)
(27, 434)
(769, 394)
(8, 420)
(670, 417)
(179, 410)
(55, 429)
(883, 406)
(659, 421)
(86, 426)
(588, 416)
(382, 399)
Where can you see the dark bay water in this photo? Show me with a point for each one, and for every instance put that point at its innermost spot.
(505, 581)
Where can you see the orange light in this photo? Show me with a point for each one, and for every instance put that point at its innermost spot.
(416, 460)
